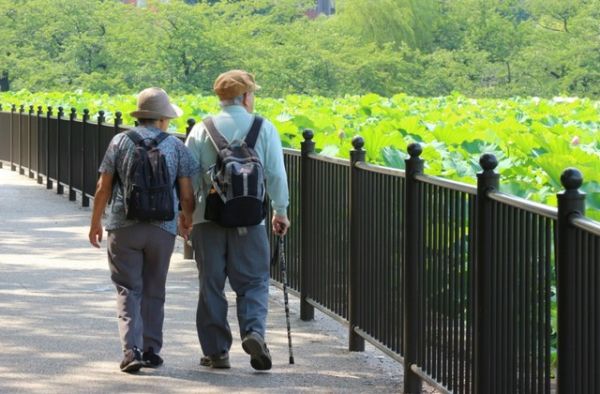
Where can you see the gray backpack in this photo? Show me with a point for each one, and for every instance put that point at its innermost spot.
(237, 197)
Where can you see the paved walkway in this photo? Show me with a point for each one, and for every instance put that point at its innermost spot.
(58, 330)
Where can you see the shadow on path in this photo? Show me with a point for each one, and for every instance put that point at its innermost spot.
(58, 327)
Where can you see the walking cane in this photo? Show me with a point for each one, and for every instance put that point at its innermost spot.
(282, 266)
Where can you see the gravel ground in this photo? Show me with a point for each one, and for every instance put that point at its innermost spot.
(58, 330)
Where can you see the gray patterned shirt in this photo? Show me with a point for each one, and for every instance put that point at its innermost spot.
(119, 156)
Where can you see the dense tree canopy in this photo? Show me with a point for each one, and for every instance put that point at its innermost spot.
(490, 48)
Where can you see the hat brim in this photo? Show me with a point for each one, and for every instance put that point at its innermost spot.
(171, 113)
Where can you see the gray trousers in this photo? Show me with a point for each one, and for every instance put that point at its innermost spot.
(243, 257)
(139, 257)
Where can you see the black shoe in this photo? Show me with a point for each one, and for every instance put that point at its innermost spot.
(255, 346)
(132, 360)
(220, 361)
(151, 359)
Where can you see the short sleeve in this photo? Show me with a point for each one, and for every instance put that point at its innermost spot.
(188, 165)
(110, 157)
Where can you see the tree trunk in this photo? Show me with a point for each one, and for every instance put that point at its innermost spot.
(324, 7)
(4, 82)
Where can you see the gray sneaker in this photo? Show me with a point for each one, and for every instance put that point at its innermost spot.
(132, 360)
(220, 361)
(255, 346)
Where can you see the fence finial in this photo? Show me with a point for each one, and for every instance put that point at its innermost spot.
(60, 112)
(571, 179)
(358, 142)
(488, 162)
(49, 112)
(191, 122)
(73, 113)
(415, 149)
(22, 108)
(40, 110)
(308, 134)
(31, 110)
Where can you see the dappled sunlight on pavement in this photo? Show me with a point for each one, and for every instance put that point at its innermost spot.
(58, 331)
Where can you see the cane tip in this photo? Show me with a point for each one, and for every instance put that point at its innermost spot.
(291, 360)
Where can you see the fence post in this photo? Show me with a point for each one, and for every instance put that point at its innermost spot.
(188, 251)
(21, 111)
(118, 122)
(72, 117)
(59, 116)
(307, 311)
(412, 261)
(191, 122)
(30, 121)
(483, 357)
(47, 149)
(85, 201)
(13, 109)
(40, 113)
(356, 342)
(571, 202)
(98, 154)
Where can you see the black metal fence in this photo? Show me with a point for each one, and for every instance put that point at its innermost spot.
(452, 280)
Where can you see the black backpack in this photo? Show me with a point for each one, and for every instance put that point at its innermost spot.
(237, 197)
(149, 193)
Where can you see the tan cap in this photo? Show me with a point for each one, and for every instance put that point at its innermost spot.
(234, 83)
(154, 103)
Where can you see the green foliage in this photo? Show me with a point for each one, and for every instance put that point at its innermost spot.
(391, 21)
(533, 139)
(481, 48)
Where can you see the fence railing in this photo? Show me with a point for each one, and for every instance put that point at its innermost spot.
(454, 281)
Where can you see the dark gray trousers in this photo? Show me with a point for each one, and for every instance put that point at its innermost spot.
(243, 257)
(139, 257)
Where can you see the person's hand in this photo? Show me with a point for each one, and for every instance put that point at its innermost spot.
(280, 224)
(95, 234)
(185, 225)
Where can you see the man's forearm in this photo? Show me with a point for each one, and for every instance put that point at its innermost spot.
(187, 205)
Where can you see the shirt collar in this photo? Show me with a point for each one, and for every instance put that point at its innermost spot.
(234, 109)
(152, 129)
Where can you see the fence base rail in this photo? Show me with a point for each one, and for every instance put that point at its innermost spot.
(430, 381)
(326, 311)
(384, 349)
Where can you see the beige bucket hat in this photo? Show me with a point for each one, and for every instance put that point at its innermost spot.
(154, 103)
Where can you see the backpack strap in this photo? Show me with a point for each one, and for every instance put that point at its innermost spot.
(161, 137)
(134, 137)
(217, 138)
(137, 139)
(252, 135)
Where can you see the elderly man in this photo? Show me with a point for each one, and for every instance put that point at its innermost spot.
(222, 248)
(142, 224)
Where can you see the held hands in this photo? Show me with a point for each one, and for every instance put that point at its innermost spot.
(95, 235)
(184, 224)
(280, 224)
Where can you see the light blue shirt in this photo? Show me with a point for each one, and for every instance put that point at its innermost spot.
(234, 122)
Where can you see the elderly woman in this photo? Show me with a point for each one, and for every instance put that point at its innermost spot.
(142, 224)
